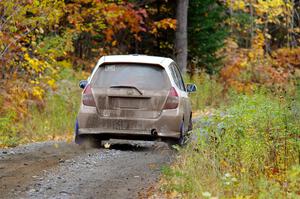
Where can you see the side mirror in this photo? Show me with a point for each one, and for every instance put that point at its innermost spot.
(191, 88)
(83, 83)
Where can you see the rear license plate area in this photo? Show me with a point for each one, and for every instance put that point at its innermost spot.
(120, 125)
(127, 103)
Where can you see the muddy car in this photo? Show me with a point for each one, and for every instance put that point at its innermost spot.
(134, 97)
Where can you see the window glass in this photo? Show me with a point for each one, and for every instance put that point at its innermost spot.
(177, 77)
(181, 82)
(141, 76)
(174, 75)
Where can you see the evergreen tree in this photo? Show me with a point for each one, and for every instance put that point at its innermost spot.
(207, 33)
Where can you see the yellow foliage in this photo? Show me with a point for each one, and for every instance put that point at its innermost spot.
(286, 57)
(164, 24)
(114, 43)
(239, 5)
(35, 64)
(246, 68)
(236, 5)
(38, 92)
(62, 64)
(51, 83)
(270, 10)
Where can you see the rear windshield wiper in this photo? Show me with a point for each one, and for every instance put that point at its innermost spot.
(127, 86)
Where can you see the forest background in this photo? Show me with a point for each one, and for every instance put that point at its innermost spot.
(242, 54)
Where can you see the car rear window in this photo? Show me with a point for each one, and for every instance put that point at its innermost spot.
(149, 77)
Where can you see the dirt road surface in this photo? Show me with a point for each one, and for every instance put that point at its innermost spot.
(64, 170)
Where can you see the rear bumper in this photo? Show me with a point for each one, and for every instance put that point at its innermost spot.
(112, 133)
(166, 125)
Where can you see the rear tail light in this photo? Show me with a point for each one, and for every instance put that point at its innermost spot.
(172, 100)
(87, 96)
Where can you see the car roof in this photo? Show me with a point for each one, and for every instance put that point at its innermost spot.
(143, 59)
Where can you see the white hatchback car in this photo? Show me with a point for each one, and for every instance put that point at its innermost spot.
(134, 97)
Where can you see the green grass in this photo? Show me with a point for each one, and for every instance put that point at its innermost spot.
(53, 119)
(8, 130)
(209, 92)
(248, 148)
(57, 119)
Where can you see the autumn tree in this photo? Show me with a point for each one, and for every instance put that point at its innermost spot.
(262, 47)
(27, 65)
(161, 24)
(278, 21)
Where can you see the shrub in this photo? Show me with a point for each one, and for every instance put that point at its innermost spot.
(55, 120)
(209, 91)
(8, 130)
(249, 148)
(51, 119)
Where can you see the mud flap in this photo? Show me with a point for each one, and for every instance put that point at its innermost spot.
(76, 136)
(182, 139)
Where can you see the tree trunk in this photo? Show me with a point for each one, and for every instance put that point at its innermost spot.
(181, 42)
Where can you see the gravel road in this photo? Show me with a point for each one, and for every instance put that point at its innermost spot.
(64, 170)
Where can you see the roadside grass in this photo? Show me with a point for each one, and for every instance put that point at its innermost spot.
(8, 130)
(53, 119)
(209, 92)
(249, 148)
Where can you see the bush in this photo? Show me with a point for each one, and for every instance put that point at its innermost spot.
(209, 91)
(8, 130)
(51, 119)
(56, 120)
(249, 148)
